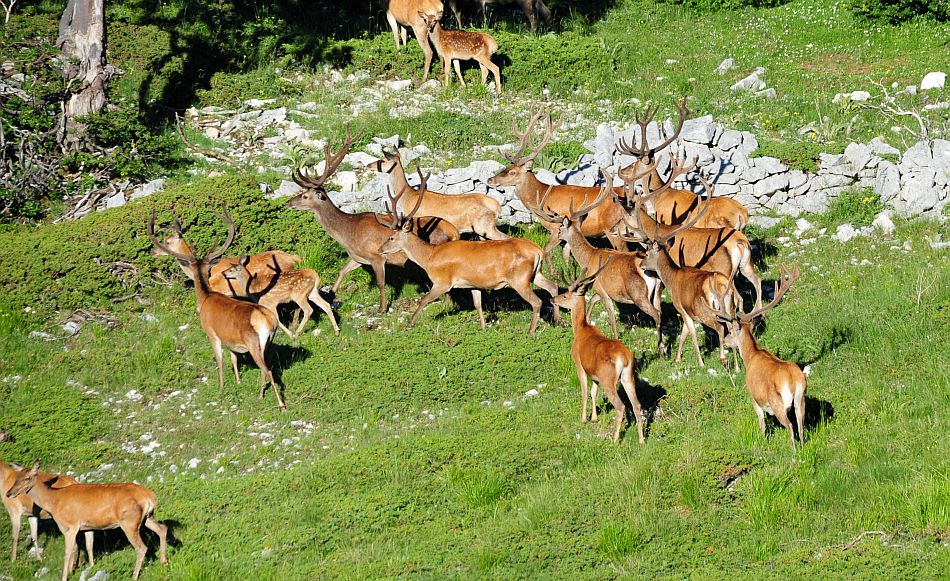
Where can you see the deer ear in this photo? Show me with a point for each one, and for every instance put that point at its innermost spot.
(16, 466)
(528, 165)
(244, 259)
(36, 467)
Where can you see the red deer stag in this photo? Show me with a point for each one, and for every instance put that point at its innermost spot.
(697, 295)
(775, 385)
(406, 13)
(481, 264)
(604, 360)
(602, 221)
(20, 505)
(673, 206)
(95, 507)
(476, 213)
(621, 279)
(455, 46)
(301, 286)
(240, 326)
(360, 234)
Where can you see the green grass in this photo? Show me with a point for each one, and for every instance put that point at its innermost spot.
(416, 453)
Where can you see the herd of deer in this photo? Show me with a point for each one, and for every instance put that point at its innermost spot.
(694, 248)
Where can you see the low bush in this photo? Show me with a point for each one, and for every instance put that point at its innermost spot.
(897, 11)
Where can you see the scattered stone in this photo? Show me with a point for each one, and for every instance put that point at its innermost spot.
(725, 65)
(764, 222)
(286, 188)
(884, 223)
(148, 188)
(397, 86)
(768, 93)
(934, 80)
(115, 200)
(750, 83)
(845, 233)
(71, 328)
(531, 393)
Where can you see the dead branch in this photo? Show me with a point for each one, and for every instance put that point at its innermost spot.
(201, 150)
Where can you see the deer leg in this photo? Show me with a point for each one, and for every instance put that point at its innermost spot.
(609, 307)
(748, 271)
(621, 410)
(307, 312)
(487, 228)
(645, 305)
(542, 281)
(325, 307)
(691, 327)
(34, 523)
(257, 353)
(15, 530)
(234, 365)
(284, 329)
(629, 386)
(422, 35)
(131, 531)
(69, 536)
(88, 536)
(616, 242)
(582, 378)
(781, 414)
(379, 271)
(162, 531)
(394, 26)
(477, 300)
(527, 294)
(760, 414)
(347, 269)
(436, 292)
(593, 402)
(800, 413)
(216, 346)
(457, 63)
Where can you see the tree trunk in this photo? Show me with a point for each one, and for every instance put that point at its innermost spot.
(82, 38)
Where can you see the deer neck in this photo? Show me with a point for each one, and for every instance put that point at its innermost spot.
(530, 190)
(199, 272)
(747, 343)
(581, 248)
(418, 250)
(399, 183)
(436, 35)
(665, 267)
(335, 221)
(579, 315)
(43, 495)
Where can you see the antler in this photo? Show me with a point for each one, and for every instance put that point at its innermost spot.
(333, 161)
(525, 137)
(150, 229)
(781, 287)
(393, 211)
(176, 226)
(644, 120)
(226, 218)
(701, 210)
(582, 284)
(575, 215)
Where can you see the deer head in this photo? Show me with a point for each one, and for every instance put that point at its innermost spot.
(522, 162)
(314, 187)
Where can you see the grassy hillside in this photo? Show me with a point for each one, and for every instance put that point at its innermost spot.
(448, 451)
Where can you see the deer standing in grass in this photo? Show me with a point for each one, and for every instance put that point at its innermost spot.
(604, 360)
(408, 13)
(775, 385)
(240, 326)
(476, 213)
(360, 234)
(673, 206)
(95, 507)
(455, 46)
(22, 504)
(601, 221)
(621, 277)
(301, 286)
(697, 295)
(474, 264)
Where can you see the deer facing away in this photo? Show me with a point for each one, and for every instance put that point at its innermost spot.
(89, 507)
(604, 360)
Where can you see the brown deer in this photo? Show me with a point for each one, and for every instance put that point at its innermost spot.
(673, 206)
(604, 360)
(601, 221)
(723, 250)
(300, 286)
(455, 46)
(621, 279)
(697, 295)
(407, 13)
(95, 507)
(775, 385)
(476, 213)
(360, 234)
(482, 264)
(20, 505)
(240, 326)
(531, 8)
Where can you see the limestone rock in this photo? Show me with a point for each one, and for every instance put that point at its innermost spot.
(934, 80)
(724, 66)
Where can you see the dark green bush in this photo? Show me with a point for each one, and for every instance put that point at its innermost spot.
(897, 11)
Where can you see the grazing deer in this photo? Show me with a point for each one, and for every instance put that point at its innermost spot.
(531, 8)
(673, 206)
(22, 504)
(476, 213)
(482, 264)
(723, 250)
(697, 295)
(775, 385)
(360, 234)
(621, 279)
(95, 507)
(407, 13)
(240, 326)
(300, 286)
(455, 46)
(601, 221)
(605, 360)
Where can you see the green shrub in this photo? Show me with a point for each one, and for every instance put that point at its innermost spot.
(897, 11)
(801, 155)
(859, 207)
